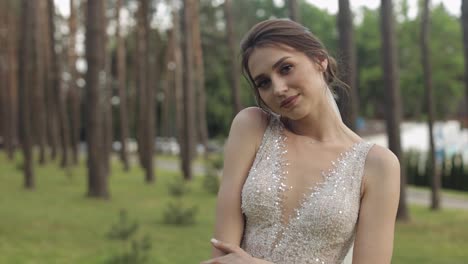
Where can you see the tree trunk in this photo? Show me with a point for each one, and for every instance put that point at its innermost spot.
(464, 22)
(27, 78)
(141, 82)
(121, 83)
(64, 124)
(168, 72)
(106, 99)
(95, 84)
(38, 103)
(178, 85)
(58, 96)
(11, 136)
(348, 53)
(426, 63)
(74, 91)
(4, 68)
(392, 95)
(52, 110)
(188, 92)
(293, 10)
(146, 95)
(232, 45)
(199, 78)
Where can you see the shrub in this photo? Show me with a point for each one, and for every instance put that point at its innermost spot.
(176, 213)
(178, 187)
(135, 251)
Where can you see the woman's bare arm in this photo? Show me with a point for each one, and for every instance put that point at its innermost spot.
(379, 204)
(244, 139)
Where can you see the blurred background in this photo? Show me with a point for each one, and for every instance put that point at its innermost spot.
(114, 113)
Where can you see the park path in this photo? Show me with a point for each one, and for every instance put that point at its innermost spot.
(415, 196)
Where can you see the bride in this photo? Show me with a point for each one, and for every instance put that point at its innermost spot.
(299, 186)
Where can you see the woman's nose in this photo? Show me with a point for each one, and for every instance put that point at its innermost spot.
(279, 86)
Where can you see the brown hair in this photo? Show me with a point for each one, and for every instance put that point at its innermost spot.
(286, 32)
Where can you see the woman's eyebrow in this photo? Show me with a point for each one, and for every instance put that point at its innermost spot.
(274, 66)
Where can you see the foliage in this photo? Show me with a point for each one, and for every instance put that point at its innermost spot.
(178, 187)
(452, 169)
(214, 165)
(123, 231)
(176, 213)
(211, 182)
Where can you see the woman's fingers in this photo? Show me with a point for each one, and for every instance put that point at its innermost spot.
(225, 247)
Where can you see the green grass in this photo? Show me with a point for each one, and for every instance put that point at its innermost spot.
(432, 237)
(57, 223)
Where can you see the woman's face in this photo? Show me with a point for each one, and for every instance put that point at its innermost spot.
(288, 81)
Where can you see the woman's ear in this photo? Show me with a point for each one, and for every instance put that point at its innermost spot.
(324, 64)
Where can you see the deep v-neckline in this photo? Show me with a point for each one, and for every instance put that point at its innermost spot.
(311, 191)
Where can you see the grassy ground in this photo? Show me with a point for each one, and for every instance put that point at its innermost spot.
(56, 223)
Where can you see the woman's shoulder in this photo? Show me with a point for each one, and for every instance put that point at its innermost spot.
(380, 158)
(251, 116)
(382, 168)
(251, 122)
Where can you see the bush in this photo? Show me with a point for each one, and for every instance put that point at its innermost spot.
(178, 187)
(178, 214)
(124, 229)
(135, 251)
(211, 182)
(215, 162)
(136, 255)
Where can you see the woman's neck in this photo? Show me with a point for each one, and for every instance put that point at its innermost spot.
(321, 126)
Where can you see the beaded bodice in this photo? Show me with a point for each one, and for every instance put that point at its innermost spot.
(322, 228)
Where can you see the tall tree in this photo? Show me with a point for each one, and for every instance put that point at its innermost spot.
(58, 104)
(427, 72)
(27, 79)
(11, 135)
(95, 83)
(464, 22)
(199, 77)
(38, 93)
(145, 94)
(51, 106)
(168, 72)
(106, 97)
(3, 70)
(178, 87)
(233, 63)
(121, 84)
(293, 10)
(188, 92)
(392, 92)
(73, 91)
(348, 54)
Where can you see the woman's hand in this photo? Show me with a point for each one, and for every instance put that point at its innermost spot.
(234, 254)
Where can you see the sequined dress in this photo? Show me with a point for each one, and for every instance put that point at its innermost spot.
(322, 228)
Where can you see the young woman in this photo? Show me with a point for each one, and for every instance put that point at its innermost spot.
(298, 185)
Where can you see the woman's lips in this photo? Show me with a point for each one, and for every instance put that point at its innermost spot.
(288, 102)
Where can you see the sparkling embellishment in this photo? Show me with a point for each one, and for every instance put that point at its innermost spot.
(322, 228)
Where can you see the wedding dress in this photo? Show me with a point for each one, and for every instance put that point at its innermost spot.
(322, 228)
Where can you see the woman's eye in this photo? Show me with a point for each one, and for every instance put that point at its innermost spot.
(286, 68)
(262, 84)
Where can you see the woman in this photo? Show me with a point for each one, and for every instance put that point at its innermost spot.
(298, 185)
